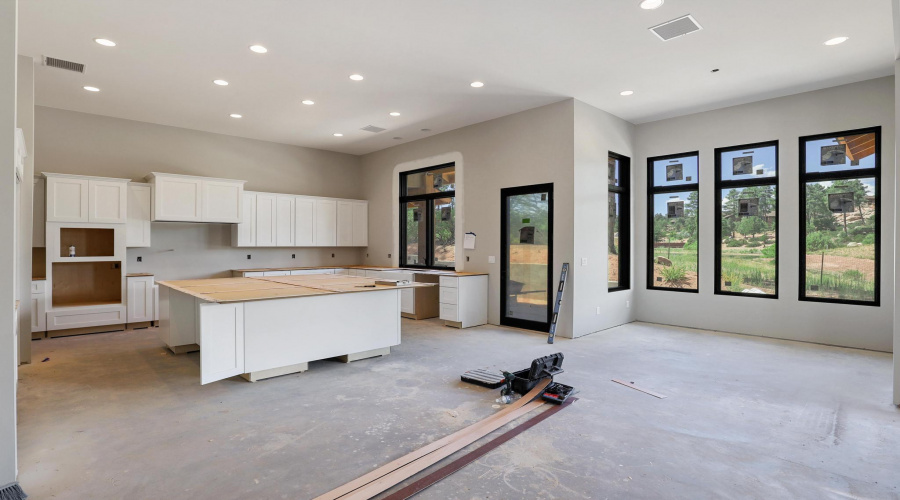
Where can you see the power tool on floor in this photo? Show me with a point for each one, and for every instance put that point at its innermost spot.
(522, 381)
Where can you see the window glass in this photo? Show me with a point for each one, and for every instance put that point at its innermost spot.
(613, 171)
(841, 239)
(674, 233)
(744, 164)
(439, 180)
(675, 171)
(444, 232)
(416, 233)
(841, 153)
(613, 255)
(748, 247)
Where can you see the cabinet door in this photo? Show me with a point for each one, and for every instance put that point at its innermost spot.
(344, 223)
(408, 300)
(246, 230)
(221, 341)
(67, 199)
(265, 220)
(38, 313)
(137, 228)
(284, 221)
(361, 224)
(177, 199)
(304, 222)
(221, 201)
(108, 201)
(140, 299)
(326, 223)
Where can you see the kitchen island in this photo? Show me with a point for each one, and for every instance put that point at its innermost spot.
(264, 327)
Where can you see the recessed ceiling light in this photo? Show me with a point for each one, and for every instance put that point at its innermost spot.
(626, 92)
(259, 49)
(651, 4)
(338, 134)
(477, 85)
(308, 102)
(395, 113)
(837, 41)
(356, 77)
(91, 89)
(105, 42)
(220, 82)
(235, 115)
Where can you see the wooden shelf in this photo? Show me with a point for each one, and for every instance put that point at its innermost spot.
(86, 283)
(88, 241)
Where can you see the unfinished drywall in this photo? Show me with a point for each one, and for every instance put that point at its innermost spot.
(596, 134)
(25, 121)
(8, 347)
(531, 147)
(84, 144)
(865, 104)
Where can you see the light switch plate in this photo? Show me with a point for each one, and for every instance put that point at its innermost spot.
(491, 259)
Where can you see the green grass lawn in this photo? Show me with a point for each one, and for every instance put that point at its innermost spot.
(747, 268)
(680, 257)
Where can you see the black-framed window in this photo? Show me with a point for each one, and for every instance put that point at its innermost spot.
(747, 220)
(619, 223)
(673, 208)
(428, 217)
(840, 213)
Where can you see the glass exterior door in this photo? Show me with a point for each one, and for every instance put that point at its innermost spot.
(526, 285)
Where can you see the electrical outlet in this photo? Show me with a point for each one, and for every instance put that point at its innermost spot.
(248, 256)
(491, 259)
(293, 256)
(627, 304)
(389, 256)
(467, 258)
(140, 259)
(598, 309)
(584, 261)
(332, 256)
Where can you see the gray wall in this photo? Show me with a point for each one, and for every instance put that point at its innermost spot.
(596, 134)
(531, 147)
(858, 105)
(8, 347)
(25, 121)
(79, 143)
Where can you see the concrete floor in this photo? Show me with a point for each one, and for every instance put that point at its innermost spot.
(117, 416)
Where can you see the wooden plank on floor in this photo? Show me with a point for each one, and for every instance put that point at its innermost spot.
(645, 391)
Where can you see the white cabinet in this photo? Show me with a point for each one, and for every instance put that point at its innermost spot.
(265, 220)
(244, 234)
(186, 198)
(140, 299)
(75, 198)
(326, 223)
(360, 223)
(221, 341)
(304, 221)
(38, 307)
(137, 227)
(464, 300)
(344, 223)
(284, 221)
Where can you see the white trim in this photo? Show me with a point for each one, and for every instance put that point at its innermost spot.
(454, 157)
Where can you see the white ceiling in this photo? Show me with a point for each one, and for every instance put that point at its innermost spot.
(419, 56)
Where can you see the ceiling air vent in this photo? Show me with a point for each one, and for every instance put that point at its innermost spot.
(676, 28)
(373, 128)
(61, 64)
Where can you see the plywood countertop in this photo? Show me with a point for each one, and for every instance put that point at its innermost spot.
(223, 290)
(137, 275)
(437, 272)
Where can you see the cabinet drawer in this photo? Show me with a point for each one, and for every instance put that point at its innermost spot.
(450, 281)
(81, 318)
(449, 312)
(449, 295)
(37, 287)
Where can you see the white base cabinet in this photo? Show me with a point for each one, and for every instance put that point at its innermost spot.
(38, 307)
(140, 299)
(464, 300)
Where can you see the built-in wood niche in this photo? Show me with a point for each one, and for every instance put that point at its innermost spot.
(88, 241)
(86, 283)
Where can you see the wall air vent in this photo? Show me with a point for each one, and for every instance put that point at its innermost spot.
(61, 64)
(373, 128)
(676, 28)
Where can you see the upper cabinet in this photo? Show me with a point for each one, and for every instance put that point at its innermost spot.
(137, 228)
(301, 221)
(77, 198)
(186, 198)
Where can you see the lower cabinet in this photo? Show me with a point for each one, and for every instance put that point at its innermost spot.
(38, 309)
(141, 300)
(464, 300)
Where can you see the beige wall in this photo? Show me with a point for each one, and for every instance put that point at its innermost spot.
(531, 147)
(79, 143)
(858, 105)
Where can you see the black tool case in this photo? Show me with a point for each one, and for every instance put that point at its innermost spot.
(557, 393)
(541, 368)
